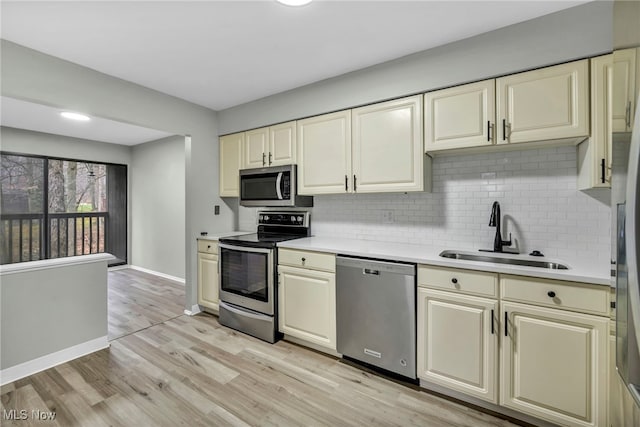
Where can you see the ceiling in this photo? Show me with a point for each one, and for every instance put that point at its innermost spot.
(219, 54)
(27, 115)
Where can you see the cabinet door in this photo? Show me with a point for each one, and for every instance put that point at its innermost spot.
(324, 154)
(231, 147)
(282, 144)
(208, 280)
(460, 117)
(256, 148)
(307, 305)
(544, 104)
(387, 149)
(624, 90)
(458, 342)
(594, 159)
(554, 365)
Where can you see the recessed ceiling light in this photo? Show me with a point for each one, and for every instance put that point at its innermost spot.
(294, 2)
(75, 116)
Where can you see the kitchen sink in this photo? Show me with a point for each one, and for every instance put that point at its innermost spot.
(467, 256)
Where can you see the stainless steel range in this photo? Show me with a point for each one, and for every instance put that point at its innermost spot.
(248, 273)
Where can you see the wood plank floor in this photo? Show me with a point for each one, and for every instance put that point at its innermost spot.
(138, 300)
(190, 371)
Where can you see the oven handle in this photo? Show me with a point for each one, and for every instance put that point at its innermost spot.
(241, 312)
(278, 184)
(244, 248)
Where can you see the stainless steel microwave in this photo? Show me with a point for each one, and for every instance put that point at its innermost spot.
(271, 186)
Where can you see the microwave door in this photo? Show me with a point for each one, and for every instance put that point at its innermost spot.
(279, 185)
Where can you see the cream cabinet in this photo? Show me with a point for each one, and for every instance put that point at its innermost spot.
(208, 274)
(270, 146)
(457, 342)
(324, 154)
(387, 147)
(460, 116)
(594, 154)
(626, 76)
(545, 104)
(550, 103)
(376, 148)
(613, 92)
(554, 353)
(231, 160)
(307, 297)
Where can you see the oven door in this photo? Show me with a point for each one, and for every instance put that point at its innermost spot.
(247, 277)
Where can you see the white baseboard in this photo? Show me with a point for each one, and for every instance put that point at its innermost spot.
(157, 273)
(195, 309)
(39, 364)
(119, 267)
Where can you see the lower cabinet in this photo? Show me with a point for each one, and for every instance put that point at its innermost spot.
(307, 305)
(554, 364)
(208, 280)
(458, 342)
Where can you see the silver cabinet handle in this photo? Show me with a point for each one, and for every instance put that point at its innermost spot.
(627, 115)
(264, 161)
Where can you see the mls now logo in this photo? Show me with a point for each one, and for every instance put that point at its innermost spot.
(14, 414)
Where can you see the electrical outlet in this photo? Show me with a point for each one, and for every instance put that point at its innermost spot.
(387, 217)
(216, 210)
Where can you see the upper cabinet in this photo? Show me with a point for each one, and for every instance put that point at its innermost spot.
(550, 103)
(376, 148)
(613, 85)
(461, 116)
(231, 148)
(544, 104)
(270, 146)
(324, 154)
(624, 91)
(387, 151)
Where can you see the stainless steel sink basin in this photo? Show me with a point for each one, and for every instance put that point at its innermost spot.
(503, 260)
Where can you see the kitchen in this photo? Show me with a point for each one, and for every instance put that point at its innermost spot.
(456, 179)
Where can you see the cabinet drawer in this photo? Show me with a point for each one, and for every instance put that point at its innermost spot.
(572, 296)
(306, 259)
(453, 279)
(208, 246)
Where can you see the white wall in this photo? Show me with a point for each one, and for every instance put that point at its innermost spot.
(158, 206)
(536, 190)
(33, 76)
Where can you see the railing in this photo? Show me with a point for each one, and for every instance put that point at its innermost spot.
(67, 234)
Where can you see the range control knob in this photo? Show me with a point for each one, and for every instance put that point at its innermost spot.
(266, 217)
(300, 219)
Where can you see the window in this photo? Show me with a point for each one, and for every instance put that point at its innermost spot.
(52, 208)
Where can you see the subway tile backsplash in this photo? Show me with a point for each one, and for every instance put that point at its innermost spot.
(540, 205)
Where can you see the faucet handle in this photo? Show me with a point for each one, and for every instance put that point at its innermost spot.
(507, 242)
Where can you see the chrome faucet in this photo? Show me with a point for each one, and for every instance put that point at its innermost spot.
(494, 221)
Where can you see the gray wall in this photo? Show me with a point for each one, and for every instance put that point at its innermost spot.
(158, 206)
(33, 76)
(45, 311)
(46, 144)
(573, 33)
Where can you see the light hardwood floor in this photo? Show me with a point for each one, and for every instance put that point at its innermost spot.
(138, 300)
(191, 371)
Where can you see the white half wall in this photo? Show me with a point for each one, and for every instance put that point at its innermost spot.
(158, 206)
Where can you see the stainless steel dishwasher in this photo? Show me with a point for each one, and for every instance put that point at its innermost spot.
(376, 313)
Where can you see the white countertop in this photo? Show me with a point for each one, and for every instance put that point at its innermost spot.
(217, 235)
(425, 254)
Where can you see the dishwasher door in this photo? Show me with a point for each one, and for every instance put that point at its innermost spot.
(376, 313)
